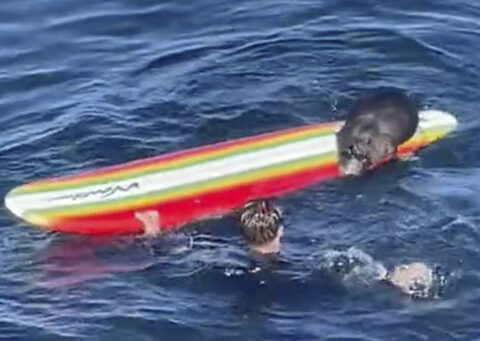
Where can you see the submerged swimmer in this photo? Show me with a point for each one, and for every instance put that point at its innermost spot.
(416, 279)
(260, 225)
(420, 280)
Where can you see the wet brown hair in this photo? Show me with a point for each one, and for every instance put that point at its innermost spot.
(260, 222)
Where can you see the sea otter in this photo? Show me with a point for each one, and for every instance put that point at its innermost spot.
(375, 126)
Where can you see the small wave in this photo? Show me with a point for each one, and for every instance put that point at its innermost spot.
(176, 57)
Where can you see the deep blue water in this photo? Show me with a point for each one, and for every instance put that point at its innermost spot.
(85, 84)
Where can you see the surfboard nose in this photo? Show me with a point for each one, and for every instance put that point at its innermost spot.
(450, 120)
(438, 118)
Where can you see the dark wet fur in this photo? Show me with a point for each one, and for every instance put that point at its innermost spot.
(375, 126)
(260, 222)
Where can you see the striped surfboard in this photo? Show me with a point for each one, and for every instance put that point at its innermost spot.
(197, 183)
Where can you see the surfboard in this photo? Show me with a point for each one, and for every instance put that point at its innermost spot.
(197, 183)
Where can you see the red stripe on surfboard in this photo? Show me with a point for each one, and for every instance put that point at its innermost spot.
(182, 154)
(407, 149)
(183, 211)
(403, 151)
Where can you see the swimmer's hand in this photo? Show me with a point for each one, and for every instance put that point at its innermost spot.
(150, 221)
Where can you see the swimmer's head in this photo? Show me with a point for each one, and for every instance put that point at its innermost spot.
(260, 225)
(418, 280)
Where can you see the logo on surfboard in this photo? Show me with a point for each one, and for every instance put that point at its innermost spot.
(101, 193)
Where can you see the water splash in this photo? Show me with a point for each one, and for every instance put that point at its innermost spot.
(352, 266)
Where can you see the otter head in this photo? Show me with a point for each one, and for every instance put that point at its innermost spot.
(365, 151)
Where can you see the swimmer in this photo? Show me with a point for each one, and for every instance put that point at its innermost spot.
(260, 225)
(376, 125)
(417, 279)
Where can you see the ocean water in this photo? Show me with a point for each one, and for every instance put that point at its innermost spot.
(85, 84)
